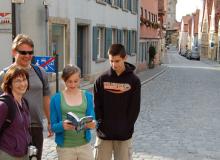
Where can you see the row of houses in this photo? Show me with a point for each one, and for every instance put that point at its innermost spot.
(201, 29)
(81, 31)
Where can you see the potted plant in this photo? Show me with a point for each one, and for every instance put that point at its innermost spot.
(152, 53)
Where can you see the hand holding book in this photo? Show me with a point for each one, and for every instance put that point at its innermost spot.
(79, 123)
(67, 125)
(90, 125)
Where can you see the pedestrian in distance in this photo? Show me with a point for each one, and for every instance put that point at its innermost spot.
(38, 95)
(14, 133)
(72, 143)
(117, 105)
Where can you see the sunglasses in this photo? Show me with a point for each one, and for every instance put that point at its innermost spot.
(25, 52)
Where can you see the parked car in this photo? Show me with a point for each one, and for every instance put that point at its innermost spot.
(194, 54)
(184, 53)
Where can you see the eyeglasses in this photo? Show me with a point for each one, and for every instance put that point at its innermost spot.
(19, 81)
(25, 52)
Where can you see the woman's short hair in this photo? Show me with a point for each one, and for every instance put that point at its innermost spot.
(69, 70)
(22, 39)
(12, 73)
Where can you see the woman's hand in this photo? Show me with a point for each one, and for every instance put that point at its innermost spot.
(68, 125)
(90, 125)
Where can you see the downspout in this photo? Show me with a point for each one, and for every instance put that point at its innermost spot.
(46, 26)
(138, 32)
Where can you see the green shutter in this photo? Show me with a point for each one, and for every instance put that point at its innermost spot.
(95, 43)
(109, 1)
(130, 40)
(108, 40)
(129, 5)
(118, 36)
(121, 3)
(128, 43)
(136, 42)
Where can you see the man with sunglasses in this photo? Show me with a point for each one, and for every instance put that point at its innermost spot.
(38, 95)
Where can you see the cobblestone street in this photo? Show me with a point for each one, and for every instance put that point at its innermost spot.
(179, 118)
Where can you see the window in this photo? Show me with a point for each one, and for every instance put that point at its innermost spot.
(142, 12)
(101, 44)
(133, 42)
(125, 4)
(149, 16)
(101, 1)
(125, 39)
(115, 3)
(114, 36)
(58, 44)
(134, 6)
(145, 13)
(98, 43)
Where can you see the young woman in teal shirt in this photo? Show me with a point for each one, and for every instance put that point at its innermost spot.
(72, 144)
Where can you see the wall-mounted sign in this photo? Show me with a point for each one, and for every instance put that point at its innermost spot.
(17, 1)
(5, 18)
(47, 62)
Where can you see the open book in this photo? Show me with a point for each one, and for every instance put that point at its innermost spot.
(79, 123)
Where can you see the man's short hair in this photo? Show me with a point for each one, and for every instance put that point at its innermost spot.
(22, 39)
(117, 49)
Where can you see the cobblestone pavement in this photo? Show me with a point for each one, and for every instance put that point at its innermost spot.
(179, 118)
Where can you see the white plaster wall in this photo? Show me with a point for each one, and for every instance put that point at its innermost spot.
(5, 37)
(32, 23)
(97, 14)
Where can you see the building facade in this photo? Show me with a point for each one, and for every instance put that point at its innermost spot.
(171, 31)
(80, 31)
(149, 32)
(5, 33)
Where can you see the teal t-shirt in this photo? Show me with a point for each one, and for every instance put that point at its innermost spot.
(73, 138)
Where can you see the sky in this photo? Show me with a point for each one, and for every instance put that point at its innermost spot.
(184, 7)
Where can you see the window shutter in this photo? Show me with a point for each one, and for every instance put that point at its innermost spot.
(136, 6)
(130, 42)
(108, 40)
(118, 3)
(95, 43)
(121, 3)
(135, 42)
(129, 5)
(109, 1)
(118, 36)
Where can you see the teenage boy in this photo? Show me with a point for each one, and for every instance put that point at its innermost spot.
(117, 105)
(38, 95)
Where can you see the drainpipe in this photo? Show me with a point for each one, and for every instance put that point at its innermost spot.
(46, 26)
(138, 32)
(13, 18)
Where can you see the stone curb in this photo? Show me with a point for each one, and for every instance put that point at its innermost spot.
(154, 76)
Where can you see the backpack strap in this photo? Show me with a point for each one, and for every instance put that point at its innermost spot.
(11, 112)
(36, 69)
(26, 102)
(38, 72)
